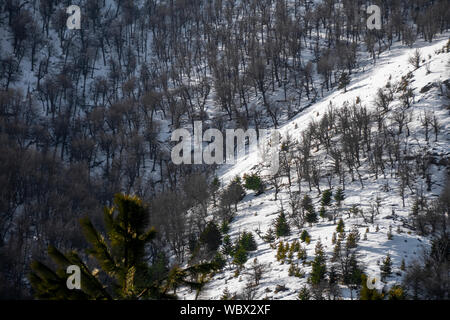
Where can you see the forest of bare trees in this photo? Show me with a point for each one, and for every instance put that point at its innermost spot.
(85, 114)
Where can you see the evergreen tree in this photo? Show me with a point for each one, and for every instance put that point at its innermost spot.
(214, 187)
(338, 248)
(282, 227)
(247, 241)
(254, 182)
(227, 246)
(301, 253)
(232, 194)
(354, 210)
(226, 295)
(353, 275)
(323, 212)
(390, 236)
(344, 81)
(281, 251)
(240, 256)
(311, 216)
(121, 257)
(333, 280)
(319, 267)
(219, 261)
(307, 204)
(339, 196)
(304, 235)
(341, 226)
(224, 227)
(415, 59)
(326, 197)
(308, 209)
(396, 293)
(211, 237)
(386, 267)
(403, 265)
(353, 238)
(304, 294)
(269, 236)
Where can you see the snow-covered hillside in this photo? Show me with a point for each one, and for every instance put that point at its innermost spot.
(257, 213)
(90, 112)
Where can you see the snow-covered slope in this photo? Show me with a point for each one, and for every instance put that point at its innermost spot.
(259, 212)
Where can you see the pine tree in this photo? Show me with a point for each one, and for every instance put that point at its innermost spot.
(403, 265)
(247, 241)
(211, 237)
(307, 204)
(333, 275)
(227, 246)
(214, 187)
(319, 267)
(281, 252)
(295, 246)
(353, 238)
(304, 235)
(323, 212)
(269, 236)
(344, 81)
(311, 216)
(233, 194)
(224, 227)
(226, 295)
(354, 210)
(308, 240)
(396, 293)
(415, 208)
(219, 261)
(304, 294)
(326, 197)
(121, 257)
(291, 270)
(338, 248)
(386, 267)
(301, 253)
(339, 196)
(240, 256)
(389, 233)
(415, 59)
(282, 227)
(254, 182)
(353, 275)
(333, 280)
(341, 226)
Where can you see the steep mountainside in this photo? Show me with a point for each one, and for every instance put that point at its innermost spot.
(257, 213)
